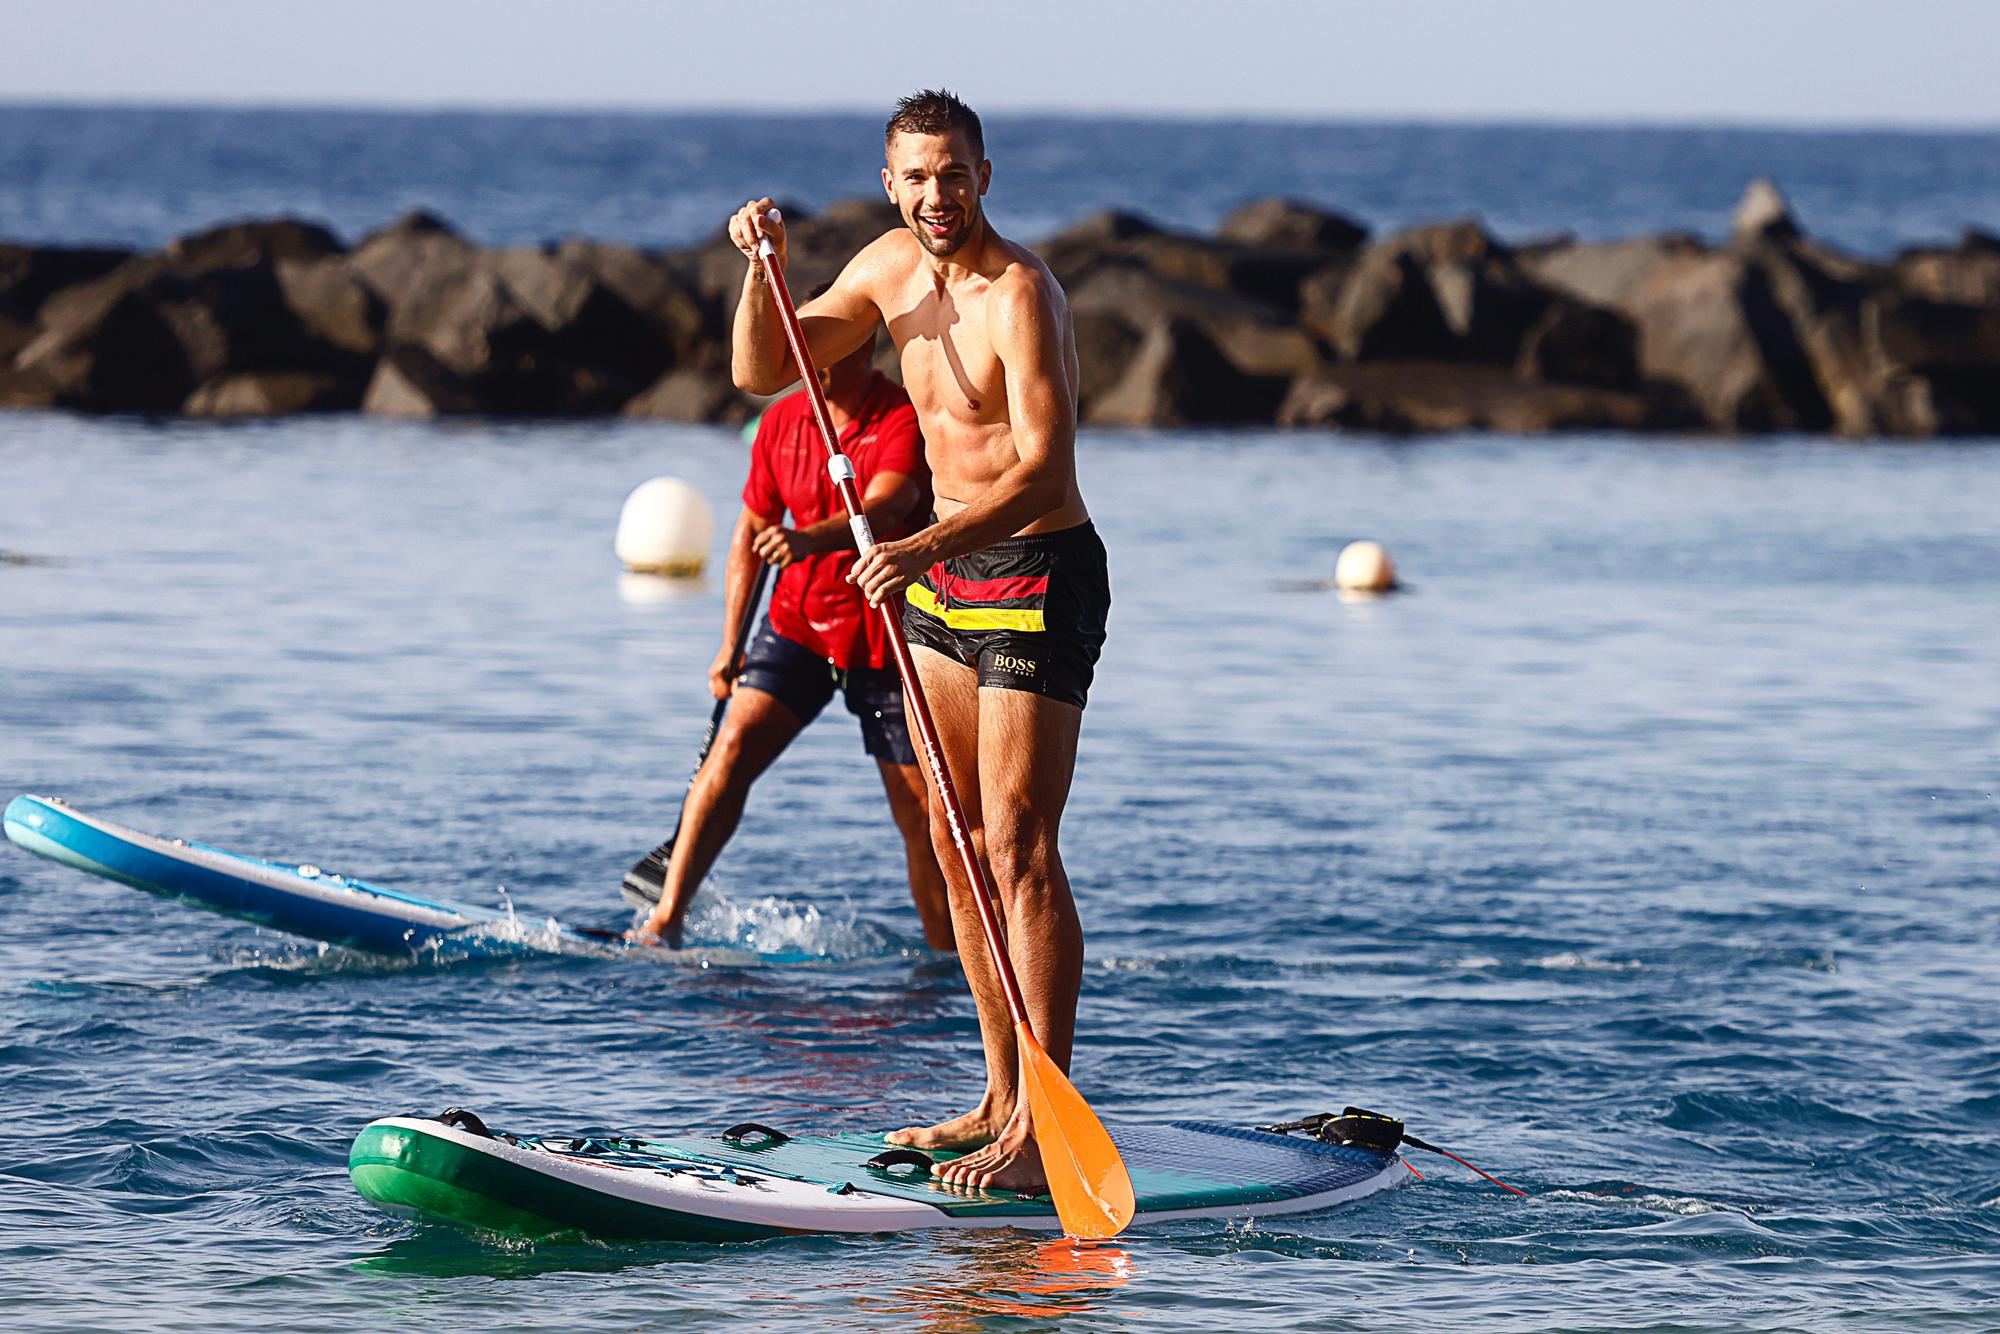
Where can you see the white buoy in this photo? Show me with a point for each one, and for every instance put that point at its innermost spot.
(1364, 567)
(664, 528)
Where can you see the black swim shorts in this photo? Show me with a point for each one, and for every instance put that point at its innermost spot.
(1026, 613)
(803, 682)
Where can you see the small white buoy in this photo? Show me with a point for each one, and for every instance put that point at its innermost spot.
(1364, 567)
(664, 528)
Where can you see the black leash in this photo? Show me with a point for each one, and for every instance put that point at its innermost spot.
(1358, 1128)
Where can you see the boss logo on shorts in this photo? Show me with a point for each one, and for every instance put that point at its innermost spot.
(1013, 666)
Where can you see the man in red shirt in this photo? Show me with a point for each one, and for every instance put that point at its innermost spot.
(820, 635)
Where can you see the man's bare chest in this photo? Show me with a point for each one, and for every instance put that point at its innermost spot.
(949, 367)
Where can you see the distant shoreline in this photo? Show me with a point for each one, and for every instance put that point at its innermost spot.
(1025, 115)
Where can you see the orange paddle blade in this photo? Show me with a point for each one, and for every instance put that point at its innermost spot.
(1087, 1179)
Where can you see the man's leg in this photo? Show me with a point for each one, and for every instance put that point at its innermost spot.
(954, 695)
(754, 732)
(1027, 754)
(909, 802)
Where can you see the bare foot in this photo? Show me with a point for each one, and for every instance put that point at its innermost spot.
(978, 1127)
(666, 934)
(1011, 1162)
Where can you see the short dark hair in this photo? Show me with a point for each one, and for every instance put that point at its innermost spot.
(935, 111)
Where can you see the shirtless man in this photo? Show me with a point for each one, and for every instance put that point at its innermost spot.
(1004, 598)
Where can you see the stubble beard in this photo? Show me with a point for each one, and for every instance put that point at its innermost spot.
(942, 246)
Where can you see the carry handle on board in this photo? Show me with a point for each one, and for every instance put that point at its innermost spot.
(1087, 1178)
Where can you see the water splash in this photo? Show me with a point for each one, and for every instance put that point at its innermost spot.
(771, 925)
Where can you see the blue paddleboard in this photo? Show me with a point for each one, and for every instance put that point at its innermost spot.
(298, 898)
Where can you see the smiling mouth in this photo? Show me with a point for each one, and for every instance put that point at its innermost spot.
(938, 224)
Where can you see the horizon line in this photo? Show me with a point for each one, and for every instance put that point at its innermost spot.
(1179, 114)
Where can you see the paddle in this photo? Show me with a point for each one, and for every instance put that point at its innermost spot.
(644, 883)
(1088, 1182)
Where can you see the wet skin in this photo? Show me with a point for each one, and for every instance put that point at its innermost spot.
(988, 356)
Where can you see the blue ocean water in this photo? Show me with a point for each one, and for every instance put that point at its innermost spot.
(139, 175)
(1643, 851)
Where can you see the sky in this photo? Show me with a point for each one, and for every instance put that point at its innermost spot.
(1831, 62)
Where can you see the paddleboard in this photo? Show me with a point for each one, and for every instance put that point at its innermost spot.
(752, 1183)
(299, 898)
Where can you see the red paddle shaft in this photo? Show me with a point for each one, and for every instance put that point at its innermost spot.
(842, 472)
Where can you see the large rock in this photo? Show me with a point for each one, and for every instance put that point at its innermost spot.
(693, 396)
(272, 394)
(416, 250)
(27, 389)
(651, 288)
(30, 275)
(336, 309)
(1287, 224)
(576, 329)
(462, 338)
(1075, 252)
(1708, 321)
(1572, 342)
(1269, 274)
(14, 335)
(1104, 348)
(1763, 215)
(1938, 364)
(1382, 309)
(1438, 293)
(250, 240)
(142, 337)
(1177, 376)
(1968, 274)
(114, 345)
(1822, 297)
(1253, 336)
(1410, 397)
(1607, 273)
(595, 329)
(409, 382)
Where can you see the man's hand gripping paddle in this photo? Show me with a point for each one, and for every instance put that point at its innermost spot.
(1088, 1182)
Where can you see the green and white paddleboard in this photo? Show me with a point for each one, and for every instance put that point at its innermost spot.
(750, 1184)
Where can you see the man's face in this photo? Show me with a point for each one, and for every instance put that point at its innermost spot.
(936, 183)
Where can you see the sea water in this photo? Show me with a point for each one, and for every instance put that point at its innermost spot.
(139, 175)
(1643, 850)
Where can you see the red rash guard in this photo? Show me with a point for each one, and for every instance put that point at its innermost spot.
(814, 605)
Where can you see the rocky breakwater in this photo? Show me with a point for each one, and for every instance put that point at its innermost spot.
(1287, 314)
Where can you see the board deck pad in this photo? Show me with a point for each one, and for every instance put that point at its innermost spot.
(1182, 1165)
(709, 1189)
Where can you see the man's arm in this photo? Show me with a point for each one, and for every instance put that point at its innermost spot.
(835, 323)
(1026, 333)
(887, 501)
(739, 577)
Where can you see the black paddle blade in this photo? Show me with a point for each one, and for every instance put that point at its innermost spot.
(644, 883)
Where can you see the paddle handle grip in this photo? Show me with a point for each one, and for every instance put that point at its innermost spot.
(842, 472)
